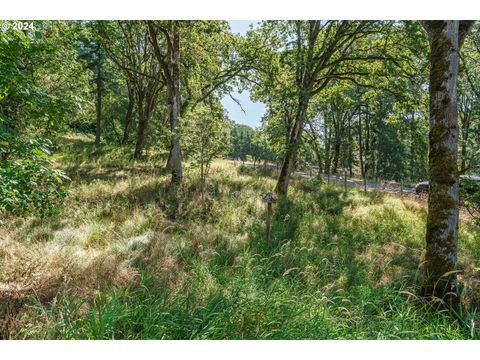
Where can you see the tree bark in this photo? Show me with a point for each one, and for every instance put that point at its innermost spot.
(175, 157)
(170, 63)
(367, 142)
(328, 158)
(465, 131)
(336, 155)
(98, 104)
(442, 221)
(291, 151)
(142, 126)
(146, 105)
(350, 148)
(412, 147)
(128, 115)
(360, 150)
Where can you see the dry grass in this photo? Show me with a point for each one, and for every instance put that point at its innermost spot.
(114, 226)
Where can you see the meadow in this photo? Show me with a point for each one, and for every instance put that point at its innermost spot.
(111, 263)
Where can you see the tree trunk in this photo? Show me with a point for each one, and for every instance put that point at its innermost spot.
(128, 116)
(174, 99)
(360, 150)
(141, 130)
(442, 221)
(291, 151)
(367, 142)
(412, 146)
(170, 64)
(373, 157)
(202, 179)
(98, 105)
(318, 156)
(336, 155)
(337, 145)
(465, 131)
(328, 158)
(350, 148)
(463, 166)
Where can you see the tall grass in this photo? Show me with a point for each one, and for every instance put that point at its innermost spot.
(338, 265)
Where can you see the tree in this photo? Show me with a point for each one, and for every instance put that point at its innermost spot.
(129, 47)
(469, 102)
(241, 138)
(129, 113)
(91, 50)
(320, 52)
(446, 38)
(193, 73)
(208, 133)
(169, 61)
(35, 102)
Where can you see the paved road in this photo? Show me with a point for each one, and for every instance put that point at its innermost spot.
(389, 187)
(353, 182)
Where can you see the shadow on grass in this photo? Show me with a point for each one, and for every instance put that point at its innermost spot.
(285, 222)
(291, 233)
(87, 173)
(258, 171)
(84, 151)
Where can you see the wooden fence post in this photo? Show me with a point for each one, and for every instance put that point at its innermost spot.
(269, 199)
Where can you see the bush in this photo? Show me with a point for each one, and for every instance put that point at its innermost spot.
(470, 193)
(27, 180)
(311, 185)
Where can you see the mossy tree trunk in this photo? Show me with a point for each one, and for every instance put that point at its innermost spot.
(442, 221)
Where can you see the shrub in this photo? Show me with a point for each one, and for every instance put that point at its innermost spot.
(470, 193)
(28, 182)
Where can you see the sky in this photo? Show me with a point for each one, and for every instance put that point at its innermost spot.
(253, 110)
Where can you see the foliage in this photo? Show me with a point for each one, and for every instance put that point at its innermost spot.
(380, 75)
(208, 137)
(470, 195)
(30, 113)
(469, 102)
(251, 143)
(27, 180)
(242, 141)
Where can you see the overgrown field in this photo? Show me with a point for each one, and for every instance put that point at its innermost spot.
(112, 264)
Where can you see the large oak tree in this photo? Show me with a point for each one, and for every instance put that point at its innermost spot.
(446, 38)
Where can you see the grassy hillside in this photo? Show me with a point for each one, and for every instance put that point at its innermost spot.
(111, 264)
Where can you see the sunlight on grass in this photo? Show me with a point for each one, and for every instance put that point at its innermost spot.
(111, 264)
